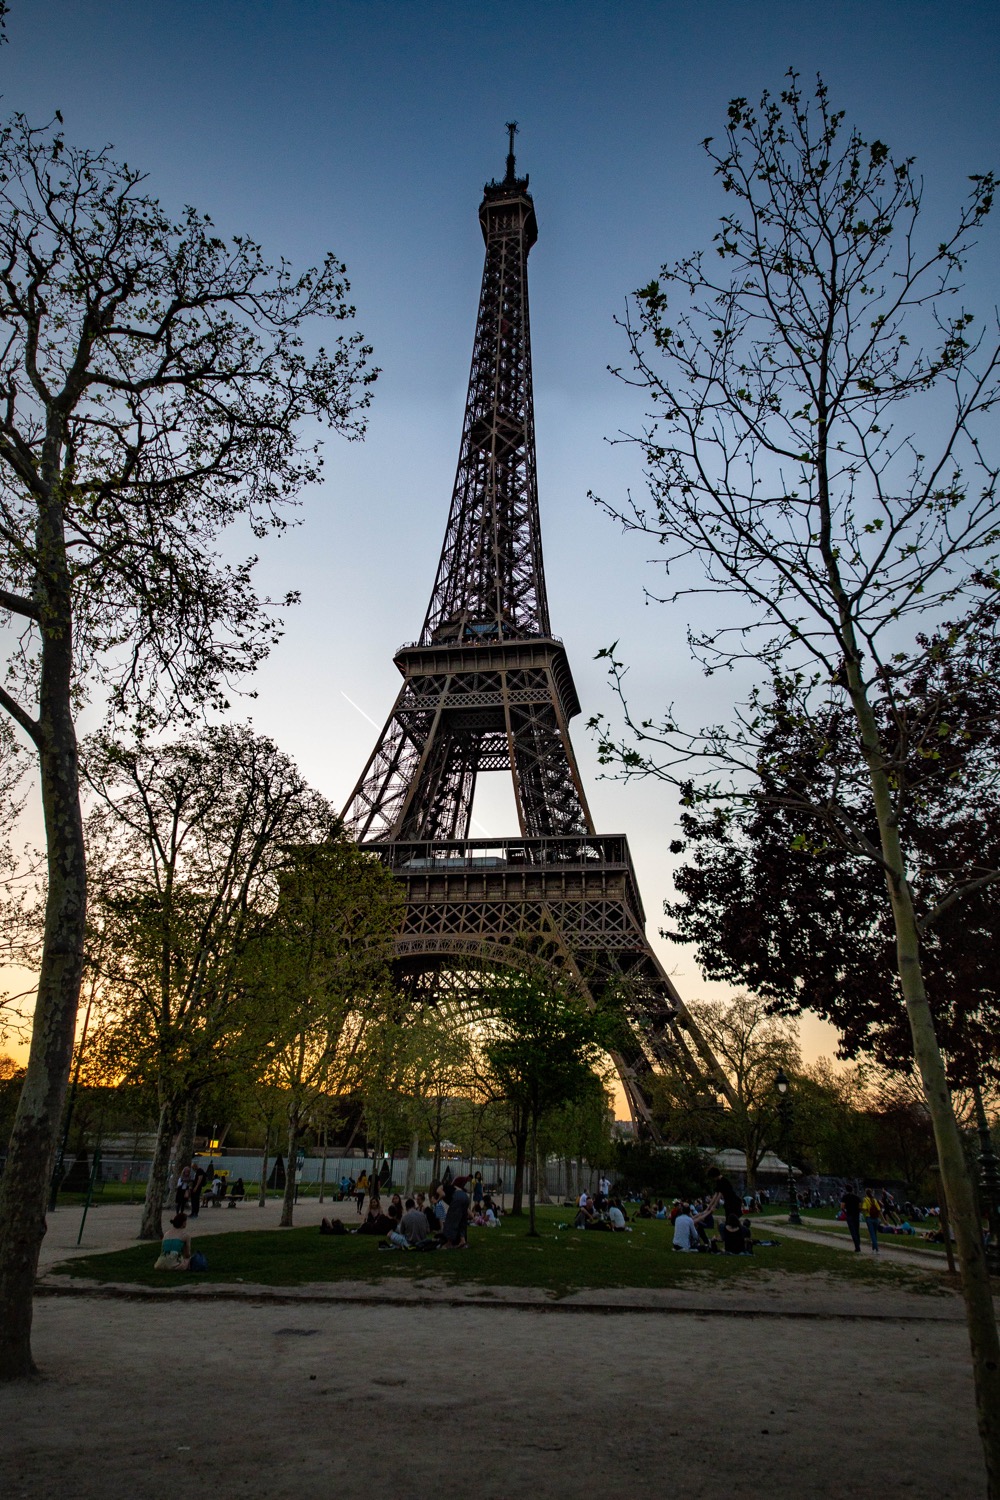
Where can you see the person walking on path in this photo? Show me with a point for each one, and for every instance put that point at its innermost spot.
(872, 1210)
(851, 1205)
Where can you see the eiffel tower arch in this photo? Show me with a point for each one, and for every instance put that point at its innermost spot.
(488, 687)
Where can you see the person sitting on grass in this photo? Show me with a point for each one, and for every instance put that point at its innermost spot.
(616, 1218)
(332, 1226)
(686, 1231)
(412, 1233)
(586, 1218)
(733, 1237)
(175, 1251)
(376, 1222)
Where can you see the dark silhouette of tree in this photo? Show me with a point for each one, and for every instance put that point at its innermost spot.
(817, 459)
(153, 382)
(771, 900)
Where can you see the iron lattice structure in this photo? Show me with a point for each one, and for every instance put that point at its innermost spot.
(487, 687)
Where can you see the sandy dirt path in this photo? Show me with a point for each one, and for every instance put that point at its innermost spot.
(141, 1401)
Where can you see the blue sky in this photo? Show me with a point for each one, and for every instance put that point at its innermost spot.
(369, 128)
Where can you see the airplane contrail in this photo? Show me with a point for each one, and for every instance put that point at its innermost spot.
(359, 710)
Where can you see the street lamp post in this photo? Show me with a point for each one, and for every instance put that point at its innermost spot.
(785, 1107)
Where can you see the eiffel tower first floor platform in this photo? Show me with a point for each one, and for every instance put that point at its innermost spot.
(570, 903)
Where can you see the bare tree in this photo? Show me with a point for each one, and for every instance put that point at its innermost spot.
(153, 380)
(815, 450)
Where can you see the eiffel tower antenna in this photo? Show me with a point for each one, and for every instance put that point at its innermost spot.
(511, 128)
(487, 687)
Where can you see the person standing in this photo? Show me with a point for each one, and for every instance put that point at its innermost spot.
(197, 1187)
(851, 1205)
(455, 1227)
(362, 1188)
(182, 1191)
(732, 1203)
(477, 1192)
(872, 1210)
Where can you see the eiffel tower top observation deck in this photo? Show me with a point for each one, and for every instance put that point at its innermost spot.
(490, 584)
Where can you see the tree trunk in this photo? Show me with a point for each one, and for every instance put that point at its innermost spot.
(322, 1170)
(520, 1149)
(955, 1175)
(411, 1167)
(533, 1180)
(160, 1182)
(24, 1187)
(184, 1144)
(262, 1194)
(542, 1189)
(288, 1202)
(963, 1209)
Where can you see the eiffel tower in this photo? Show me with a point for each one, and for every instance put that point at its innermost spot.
(488, 687)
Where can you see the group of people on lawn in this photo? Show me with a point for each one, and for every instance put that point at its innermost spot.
(438, 1221)
(693, 1223)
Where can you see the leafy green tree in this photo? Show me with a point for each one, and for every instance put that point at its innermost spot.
(543, 1054)
(581, 1127)
(187, 841)
(750, 1046)
(662, 1171)
(154, 381)
(321, 967)
(836, 1128)
(772, 900)
(817, 453)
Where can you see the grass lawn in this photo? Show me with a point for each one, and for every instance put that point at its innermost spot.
(560, 1261)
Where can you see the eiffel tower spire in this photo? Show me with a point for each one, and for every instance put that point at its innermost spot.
(490, 583)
